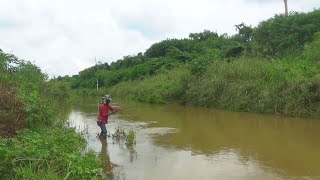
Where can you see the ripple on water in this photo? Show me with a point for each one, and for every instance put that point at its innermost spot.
(159, 130)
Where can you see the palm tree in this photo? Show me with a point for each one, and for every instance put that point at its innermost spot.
(286, 7)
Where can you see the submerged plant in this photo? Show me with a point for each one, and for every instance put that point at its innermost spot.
(121, 135)
(131, 138)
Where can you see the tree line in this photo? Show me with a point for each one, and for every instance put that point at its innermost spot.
(278, 36)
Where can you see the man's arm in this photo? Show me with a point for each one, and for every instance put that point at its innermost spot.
(114, 110)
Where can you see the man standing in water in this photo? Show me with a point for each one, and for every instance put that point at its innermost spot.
(102, 118)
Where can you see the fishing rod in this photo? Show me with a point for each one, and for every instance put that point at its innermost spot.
(117, 110)
(113, 112)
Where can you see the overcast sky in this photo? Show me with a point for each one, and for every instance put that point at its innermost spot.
(63, 37)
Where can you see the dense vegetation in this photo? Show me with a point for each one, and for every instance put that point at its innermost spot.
(272, 68)
(34, 143)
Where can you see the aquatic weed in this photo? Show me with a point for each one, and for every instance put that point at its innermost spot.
(120, 134)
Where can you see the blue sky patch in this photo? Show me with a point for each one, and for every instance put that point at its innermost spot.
(4, 24)
(146, 31)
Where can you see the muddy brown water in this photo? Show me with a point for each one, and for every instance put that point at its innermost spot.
(183, 142)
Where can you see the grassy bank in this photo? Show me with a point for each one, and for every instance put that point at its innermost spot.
(166, 87)
(270, 68)
(49, 153)
(34, 142)
(289, 87)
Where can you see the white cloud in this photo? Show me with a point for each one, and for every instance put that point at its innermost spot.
(64, 37)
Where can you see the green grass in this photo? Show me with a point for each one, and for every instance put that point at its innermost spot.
(289, 87)
(165, 87)
(48, 154)
(277, 86)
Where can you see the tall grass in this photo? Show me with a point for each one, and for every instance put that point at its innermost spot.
(283, 86)
(166, 87)
(47, 154)
(287, 86)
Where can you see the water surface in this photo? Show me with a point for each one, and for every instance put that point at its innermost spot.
(183, 142)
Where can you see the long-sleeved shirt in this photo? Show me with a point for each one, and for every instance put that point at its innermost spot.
(103, 112)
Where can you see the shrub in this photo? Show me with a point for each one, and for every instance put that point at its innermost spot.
(47, 154)
(38, 111)
(311, 50)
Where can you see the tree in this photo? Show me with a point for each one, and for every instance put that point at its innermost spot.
(245, 32)
(283, 34)
(286, 7)
(203, 36)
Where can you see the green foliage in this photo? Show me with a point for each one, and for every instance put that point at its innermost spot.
(129, 137)
(311, 50)
(165, 55)
(38, 111)
(203, 36)
(166, 87)
(40, 151)
(119, 134)
(21, 100)
(175, 53)
(160, 49)
(198, 66)
(281, 35)
(283, 86)
(225, 84)
(258, 69)
(47, 154)
(245, 32)
(84, 92)
(29, 76)
(57, 90)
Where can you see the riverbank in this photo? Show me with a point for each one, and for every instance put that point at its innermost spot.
(271, 68)
(34, 140)
(290, 87)
(49, 153)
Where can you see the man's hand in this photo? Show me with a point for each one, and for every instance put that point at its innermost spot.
(116, 110)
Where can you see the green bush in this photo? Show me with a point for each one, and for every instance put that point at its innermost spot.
(38, 111)
(21, 101)
(283, 86)
(311, 50)
(40, 151)
(130, 138)
(165, 87)
(198, 66)
(49, 153)
(285, 35)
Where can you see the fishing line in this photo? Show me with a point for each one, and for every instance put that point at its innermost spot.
(125, 109)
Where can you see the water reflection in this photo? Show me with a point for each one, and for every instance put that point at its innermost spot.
(133, 155)
(104, 154)
(130, 149)
(286, 144)
(176, 142)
